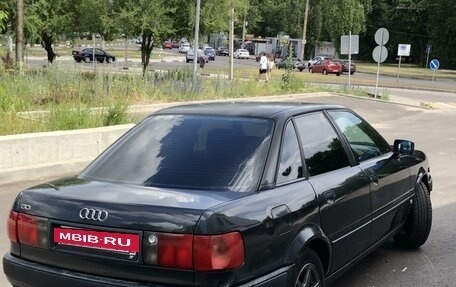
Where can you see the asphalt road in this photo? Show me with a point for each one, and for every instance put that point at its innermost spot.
(434, 132)
(222, 62)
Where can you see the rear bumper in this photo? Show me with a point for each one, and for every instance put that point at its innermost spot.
(23, 273)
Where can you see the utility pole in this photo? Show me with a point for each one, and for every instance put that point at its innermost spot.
(195, 45)
(231, 45)
(304, 31)
(19, 34)
(243, 33)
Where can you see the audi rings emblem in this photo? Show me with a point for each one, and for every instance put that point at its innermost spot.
(93, 214)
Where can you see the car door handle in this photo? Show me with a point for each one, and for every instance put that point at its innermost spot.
(374, 179)
(330, 196)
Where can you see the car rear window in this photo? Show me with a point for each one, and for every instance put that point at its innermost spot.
(188, 152)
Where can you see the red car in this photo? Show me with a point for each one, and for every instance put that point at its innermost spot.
(167, 45)
(326, 67)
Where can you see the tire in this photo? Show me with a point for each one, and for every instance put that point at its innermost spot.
(310, 70)
(300, 69)
(419, 221)
(351, 73)
(87, 59)
(324, 72)
(308, 271)
(338, 74)
(108, 60)
(101, 61)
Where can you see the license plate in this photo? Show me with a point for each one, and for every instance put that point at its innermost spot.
(114, 241)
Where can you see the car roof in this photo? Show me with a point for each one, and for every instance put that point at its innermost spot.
(249, 109)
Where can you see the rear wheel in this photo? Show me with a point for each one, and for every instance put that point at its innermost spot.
(87, 59)
(109, 60)
(338, 74)
(308, 271)
(310, 70)
(419, 221)
(324, 72)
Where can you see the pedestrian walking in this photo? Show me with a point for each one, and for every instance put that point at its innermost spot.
(263, 66)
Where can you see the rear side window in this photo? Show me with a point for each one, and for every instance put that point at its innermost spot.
(322, 147)
(188, 152)
(290, 165)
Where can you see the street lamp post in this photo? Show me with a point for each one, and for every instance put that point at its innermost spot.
(304, 30)
(195, 45)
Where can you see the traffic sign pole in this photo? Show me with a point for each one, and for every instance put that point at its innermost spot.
(349, 58)
(399, 68)
(378, 66)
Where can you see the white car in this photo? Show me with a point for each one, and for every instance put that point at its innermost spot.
(241, 54)
(184, 48)
(189, 57)
(316, 59)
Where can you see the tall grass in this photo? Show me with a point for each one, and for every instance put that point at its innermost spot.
(69, 98)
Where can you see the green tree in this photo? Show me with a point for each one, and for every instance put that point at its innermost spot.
(152, 20)
(48, 20)
(441, 25)
(3, 20)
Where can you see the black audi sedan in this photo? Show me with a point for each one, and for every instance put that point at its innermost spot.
(224, 194)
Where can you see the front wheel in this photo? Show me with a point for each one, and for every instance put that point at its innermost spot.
(87, 59)
(308, 271)
(310, 70)
(419, 221)
(325, 72)
(109, 60)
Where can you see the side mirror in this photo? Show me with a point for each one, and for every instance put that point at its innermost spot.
(403, 147)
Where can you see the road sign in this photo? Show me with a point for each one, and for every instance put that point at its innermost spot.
(434, 64)
(381, 36)
(403, 50)
(345, 44)
(380, 53)
(428, 49)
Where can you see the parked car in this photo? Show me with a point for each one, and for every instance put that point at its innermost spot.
(210, 53)
(86, 55)
(224, 194)
(184, 48)
(316, 59)
(345, 64)
(222, 51)
(282, 64)
(175, 44)
(167, 45)
(241, 54)
(326, 67)
(190, 56)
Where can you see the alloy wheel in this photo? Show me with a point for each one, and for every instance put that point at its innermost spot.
(308, 277)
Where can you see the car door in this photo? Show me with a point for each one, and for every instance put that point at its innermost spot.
(390, 182)
(316, 68)
(342, 189)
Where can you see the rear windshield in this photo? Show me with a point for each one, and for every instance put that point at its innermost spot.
(189, 152)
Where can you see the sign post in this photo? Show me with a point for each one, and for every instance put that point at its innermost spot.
(428, 51)
(380, 53)
(349, 44)
(402, 50)
(434, 66)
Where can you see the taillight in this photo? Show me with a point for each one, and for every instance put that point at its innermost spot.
(194, 252)
(12, 226)
(27, 229)
(175, 251)
(218, 252)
